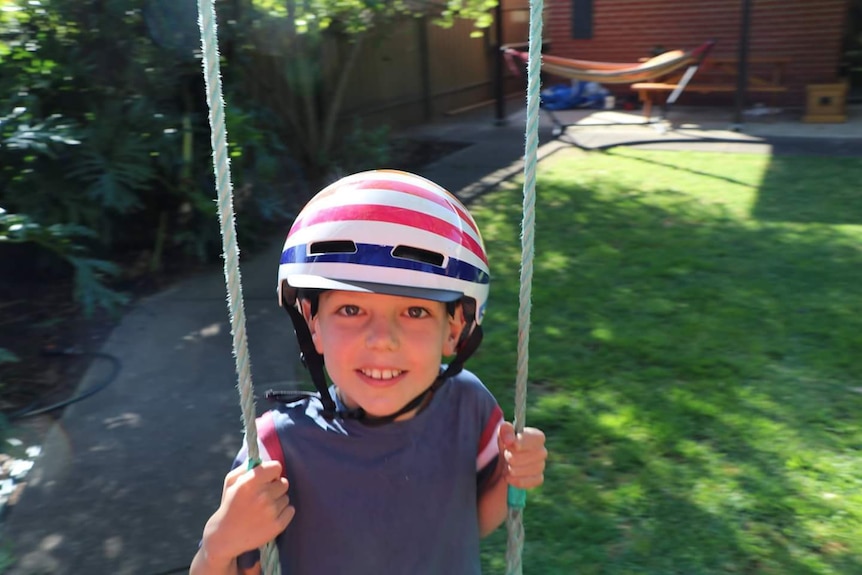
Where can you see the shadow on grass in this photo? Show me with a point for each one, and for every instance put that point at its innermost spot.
(799, 189)
(695, 374)
(807, 194)
(811, 194)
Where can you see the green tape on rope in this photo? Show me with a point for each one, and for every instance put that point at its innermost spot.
(253, 462)
(516, 497)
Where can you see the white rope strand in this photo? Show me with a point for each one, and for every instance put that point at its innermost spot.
(517, 497)
(221, 165)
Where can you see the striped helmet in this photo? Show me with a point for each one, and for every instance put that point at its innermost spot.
(388, 232)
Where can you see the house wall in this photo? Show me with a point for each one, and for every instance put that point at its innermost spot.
(808, 32)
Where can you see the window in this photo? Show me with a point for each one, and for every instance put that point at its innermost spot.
(582, 19)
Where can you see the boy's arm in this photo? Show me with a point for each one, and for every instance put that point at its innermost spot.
(492, 503)
(520, 463)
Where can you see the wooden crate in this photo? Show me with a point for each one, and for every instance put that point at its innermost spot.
(826, 103)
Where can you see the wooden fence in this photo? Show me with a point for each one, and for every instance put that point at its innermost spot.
(418, 72)
(411, 73)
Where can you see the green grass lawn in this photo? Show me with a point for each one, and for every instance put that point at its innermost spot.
(696, 352)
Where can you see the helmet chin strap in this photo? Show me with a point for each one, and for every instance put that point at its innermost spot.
(313, 361)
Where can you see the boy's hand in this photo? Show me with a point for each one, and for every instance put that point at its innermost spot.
(254, 509)
(522, 456)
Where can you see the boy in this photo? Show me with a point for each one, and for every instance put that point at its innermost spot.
(403, 463)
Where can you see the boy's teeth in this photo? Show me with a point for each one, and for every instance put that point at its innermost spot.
(381, 374)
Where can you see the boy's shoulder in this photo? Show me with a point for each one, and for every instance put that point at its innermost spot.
(467, 385)
(466, 398)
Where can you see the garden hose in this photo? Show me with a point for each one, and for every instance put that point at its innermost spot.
(35, 409)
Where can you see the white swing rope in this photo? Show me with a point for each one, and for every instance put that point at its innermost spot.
(517, 497)
(221, 165)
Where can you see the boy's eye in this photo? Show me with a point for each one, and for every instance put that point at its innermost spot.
(348, 310)
(417, 312)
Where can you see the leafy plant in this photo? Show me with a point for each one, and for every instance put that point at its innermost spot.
(64, 240)
(115, 174)
(7, 356)
(364, 149)
(17, 134)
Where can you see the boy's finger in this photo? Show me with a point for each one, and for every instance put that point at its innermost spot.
(506, 436)
(525, 469)
(231, 478)
(285, 516)
(530, 438)
(267, 470)
(276, 489)
(527, 457)
(232, 475)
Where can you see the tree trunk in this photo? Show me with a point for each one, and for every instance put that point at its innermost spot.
(334, 107)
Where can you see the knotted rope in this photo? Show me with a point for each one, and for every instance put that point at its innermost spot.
(517, 497)
(221, 165)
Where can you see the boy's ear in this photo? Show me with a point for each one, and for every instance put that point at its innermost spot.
(305, 306)
(456, 326)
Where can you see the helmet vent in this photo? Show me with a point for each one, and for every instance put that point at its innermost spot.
(418, 255)
(332, 247)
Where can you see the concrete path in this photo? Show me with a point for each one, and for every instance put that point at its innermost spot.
(129, 476)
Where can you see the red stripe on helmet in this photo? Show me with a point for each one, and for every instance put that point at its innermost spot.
(392, 215)
(379, 181)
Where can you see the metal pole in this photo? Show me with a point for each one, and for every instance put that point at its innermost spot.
(499, 95)
(742, 68)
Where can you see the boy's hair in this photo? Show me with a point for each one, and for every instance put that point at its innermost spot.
(387, 232)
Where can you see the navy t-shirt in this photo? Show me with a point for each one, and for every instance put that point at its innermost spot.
(396, 498)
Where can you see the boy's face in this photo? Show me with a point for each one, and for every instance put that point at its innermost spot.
(381, 350)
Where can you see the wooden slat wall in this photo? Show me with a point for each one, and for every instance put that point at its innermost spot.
(460, 67)
(388, 70)
(387, 84)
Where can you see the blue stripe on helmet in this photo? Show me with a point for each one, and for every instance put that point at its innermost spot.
(381, 256)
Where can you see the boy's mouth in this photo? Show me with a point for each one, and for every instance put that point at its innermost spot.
(381, 374)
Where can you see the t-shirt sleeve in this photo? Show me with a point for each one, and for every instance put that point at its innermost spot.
(268, 443)
(488, 417)
(488, 448)
(486, 460)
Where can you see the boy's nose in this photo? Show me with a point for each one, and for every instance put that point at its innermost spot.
(382, 333)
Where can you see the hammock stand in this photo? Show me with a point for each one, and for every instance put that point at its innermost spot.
(614, 73)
